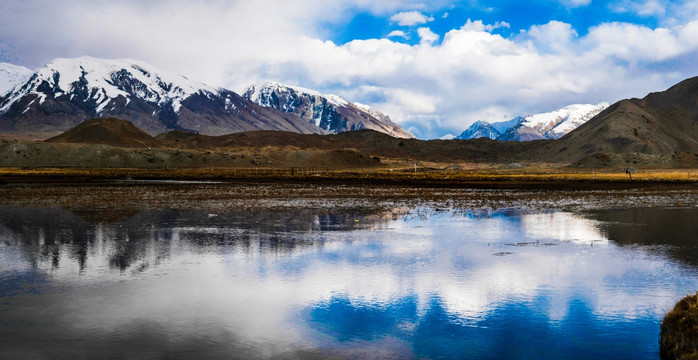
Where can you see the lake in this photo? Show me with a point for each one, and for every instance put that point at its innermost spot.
(307, 271)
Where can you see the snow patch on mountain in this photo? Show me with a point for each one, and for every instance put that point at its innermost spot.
(103, 81)
(11, 76)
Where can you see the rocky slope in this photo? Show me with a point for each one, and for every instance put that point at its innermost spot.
(66, 92)
(550, 125)
(662, 123)
(329, 112)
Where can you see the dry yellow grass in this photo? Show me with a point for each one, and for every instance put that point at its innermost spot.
(397, 174)
(679, 331)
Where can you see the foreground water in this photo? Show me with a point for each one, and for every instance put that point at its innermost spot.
(402, 282)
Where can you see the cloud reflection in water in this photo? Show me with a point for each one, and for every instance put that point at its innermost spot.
(434, 284)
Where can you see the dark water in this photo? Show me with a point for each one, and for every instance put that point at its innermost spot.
(298, 284)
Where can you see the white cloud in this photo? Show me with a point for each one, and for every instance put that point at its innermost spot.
(575, 3)
(478, 25)
(554, 36)
(441, 86)
(426, 36)
(642, 8)
(398, 33)
(410, 18)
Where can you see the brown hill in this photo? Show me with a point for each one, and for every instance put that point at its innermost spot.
(113, 132)
(662, 123)
(368, 142)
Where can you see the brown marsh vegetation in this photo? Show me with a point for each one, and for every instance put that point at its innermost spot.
(679, 336)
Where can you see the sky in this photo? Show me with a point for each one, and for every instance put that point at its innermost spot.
(435, 67)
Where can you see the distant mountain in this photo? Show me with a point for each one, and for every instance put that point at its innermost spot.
(66, 92)
(480, 129)
(662, 123)
(329, 112)
(11, 75)
(550, 125)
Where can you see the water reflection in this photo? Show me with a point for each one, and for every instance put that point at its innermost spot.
(671, 231)
(398, 283)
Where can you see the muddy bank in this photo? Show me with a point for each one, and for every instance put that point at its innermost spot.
(238, 196)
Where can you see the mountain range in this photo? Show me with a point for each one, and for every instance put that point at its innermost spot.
(329, 112)
(660, 130)
(550, 125)
(66, 92)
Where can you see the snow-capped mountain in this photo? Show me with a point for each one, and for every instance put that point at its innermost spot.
(11, 75)
(480, 129)
(329, 112)
(66, 92)
(550, 125)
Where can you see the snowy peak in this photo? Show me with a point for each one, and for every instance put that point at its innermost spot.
(67, 92)
(549, 125)
(573, 117)
(555, 124)
(101, 81)
(271, 91)
(480, 129)
(327, 111)
(11, 76)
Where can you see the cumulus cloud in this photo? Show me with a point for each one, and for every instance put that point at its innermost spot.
(478, 25)
(642, 8)
(554, 36)
(398, 33)
(433, 87)
(426, 36)
(410, 18)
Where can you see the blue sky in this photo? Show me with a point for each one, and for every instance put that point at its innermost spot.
(520, 15)
(435, 67)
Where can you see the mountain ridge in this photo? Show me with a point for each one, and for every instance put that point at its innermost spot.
(550, 125)
(66, 92)
(327, 111)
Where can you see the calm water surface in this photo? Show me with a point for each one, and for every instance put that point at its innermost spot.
(409, 283)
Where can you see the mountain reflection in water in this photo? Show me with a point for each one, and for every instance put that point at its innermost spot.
(407, 283)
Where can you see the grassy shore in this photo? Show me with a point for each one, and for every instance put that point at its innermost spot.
(401, 175)
(679, 336)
